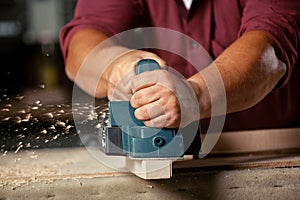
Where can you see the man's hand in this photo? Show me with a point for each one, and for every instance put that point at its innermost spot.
(96, 64)
(121, 72)
(163, 99)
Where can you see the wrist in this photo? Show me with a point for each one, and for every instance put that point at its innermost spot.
(102, 58)
(202, 93)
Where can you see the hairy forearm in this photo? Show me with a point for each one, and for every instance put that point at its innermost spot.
(249, 69)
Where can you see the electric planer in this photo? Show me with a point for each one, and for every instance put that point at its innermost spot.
(127, 136)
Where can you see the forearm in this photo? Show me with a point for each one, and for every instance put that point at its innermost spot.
(81, 45)
(89, 61)
(103, 64)
(249, 69)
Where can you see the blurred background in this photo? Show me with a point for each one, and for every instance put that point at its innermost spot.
(35, 94)
(29, 46)
(37, 127)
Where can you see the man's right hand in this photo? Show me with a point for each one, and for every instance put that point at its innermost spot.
(120, 72)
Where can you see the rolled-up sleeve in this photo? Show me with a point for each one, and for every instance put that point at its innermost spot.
(279, 18)
(108, 16)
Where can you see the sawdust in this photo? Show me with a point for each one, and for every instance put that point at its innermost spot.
(28, 120)
(31, 127)
(18, 173)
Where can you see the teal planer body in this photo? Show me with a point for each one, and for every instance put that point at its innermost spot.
(128, 136)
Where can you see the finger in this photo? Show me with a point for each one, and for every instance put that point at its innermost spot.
(166, 120)
(150, 78)
(143, 80)
(145, 96)
(118, 94)
(149, 111)
(121, 91)
(157, 122)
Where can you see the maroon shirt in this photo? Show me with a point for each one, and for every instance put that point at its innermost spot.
(214, 24)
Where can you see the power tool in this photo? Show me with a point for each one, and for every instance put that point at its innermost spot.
(125, 135)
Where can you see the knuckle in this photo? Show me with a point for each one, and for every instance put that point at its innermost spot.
(176, 118)
(170, 94)
(137, 99)
(148, 123)
(137, 114)
(143, 113)
(173, 115)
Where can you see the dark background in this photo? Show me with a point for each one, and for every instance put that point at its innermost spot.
(29, 49)
(35, 94)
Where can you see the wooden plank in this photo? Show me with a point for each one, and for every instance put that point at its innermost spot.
(245, 149)
(150, 169)
(257, 141)
(246, 161)
(234, 143)
(252, 149)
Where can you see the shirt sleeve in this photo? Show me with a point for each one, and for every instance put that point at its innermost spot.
(279, 18)
(109, 16)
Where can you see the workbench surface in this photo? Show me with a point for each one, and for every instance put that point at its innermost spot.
(42, 157)
(74, 173)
